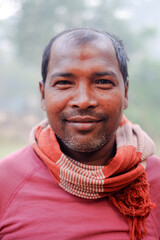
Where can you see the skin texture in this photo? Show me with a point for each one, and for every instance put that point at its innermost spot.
(84, 97)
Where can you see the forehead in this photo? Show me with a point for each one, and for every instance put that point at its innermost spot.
(97, 55)
(70, 43)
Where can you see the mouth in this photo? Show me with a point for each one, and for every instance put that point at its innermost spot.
(83, 123)
(83, 119)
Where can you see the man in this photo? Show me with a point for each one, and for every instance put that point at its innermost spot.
(89, 172)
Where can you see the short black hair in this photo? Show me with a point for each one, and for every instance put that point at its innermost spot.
(84, 35)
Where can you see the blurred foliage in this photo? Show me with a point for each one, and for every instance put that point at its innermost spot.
(25, 34)
(39, 20)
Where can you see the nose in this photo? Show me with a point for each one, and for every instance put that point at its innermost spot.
(83, 97)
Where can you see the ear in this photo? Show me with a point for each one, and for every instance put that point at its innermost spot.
(126, 94)
(42, 91)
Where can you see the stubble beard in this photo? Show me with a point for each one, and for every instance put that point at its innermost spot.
(73, 142)
(91, 145)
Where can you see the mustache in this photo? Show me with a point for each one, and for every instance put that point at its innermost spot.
(82, 113)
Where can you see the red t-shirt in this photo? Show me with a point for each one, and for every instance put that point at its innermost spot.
(33, 205)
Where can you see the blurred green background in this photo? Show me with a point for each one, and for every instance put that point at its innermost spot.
(26, 26)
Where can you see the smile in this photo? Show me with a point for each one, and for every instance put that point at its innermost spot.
(83, 123)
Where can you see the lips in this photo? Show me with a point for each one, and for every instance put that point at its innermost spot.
(83, 123)
(83, 119)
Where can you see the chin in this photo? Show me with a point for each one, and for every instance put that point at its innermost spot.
(85, 146)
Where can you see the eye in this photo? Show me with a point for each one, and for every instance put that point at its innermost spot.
(104, 83)
(63, 84)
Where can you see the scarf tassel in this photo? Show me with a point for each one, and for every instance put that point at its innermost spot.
(133, 200)
(135, 204)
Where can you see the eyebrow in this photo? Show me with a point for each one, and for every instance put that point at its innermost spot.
(102, 74)
(71, 75)
(61, 74)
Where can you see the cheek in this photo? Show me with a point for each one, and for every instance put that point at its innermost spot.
(53, 109)
(55, 103)
(113, 102)
(114, 108)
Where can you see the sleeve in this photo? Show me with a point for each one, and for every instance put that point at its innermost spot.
(153, 175)
(13, 170)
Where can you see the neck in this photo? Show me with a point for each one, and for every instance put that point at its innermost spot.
(99, 157)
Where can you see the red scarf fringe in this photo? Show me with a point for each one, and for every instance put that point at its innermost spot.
(135, 204)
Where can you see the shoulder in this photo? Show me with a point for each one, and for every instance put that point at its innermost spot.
(153, 168)
(15, 169)
(23, 160)
(153, 176)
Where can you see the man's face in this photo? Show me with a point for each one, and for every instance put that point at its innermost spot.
(84, 94)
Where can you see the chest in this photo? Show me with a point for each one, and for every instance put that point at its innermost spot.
(42, 210)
